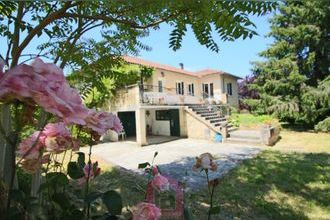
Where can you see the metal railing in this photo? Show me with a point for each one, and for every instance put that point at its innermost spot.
(150, 94)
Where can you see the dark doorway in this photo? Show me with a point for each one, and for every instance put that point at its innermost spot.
(128, 121)
(174, 122)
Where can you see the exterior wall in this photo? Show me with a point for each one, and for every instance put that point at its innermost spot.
(169, 81)
(203, 132)
(158, 127)
(215, 79)
(183, 122)
(126, 100)
(231, 99)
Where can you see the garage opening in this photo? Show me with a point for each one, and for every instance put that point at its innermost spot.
(128, 121)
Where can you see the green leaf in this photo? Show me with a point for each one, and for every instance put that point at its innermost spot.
(57, 179)
(113, 202)
(214, 210)
(62, 200)
(81, 159)
(187, 214)
(91, 197)
(75, 171)
(143, 165)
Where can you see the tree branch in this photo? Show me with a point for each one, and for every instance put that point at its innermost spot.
(131, 23)
(47, 20)
(16, 33)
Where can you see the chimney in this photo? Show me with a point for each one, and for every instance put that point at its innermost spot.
(181, 66)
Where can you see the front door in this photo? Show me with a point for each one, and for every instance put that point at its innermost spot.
(174, 122)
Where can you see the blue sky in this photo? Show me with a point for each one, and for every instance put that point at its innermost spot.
(234, 57)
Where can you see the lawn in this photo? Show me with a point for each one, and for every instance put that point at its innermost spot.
(290, 180)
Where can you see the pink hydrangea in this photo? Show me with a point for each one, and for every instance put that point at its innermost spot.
(45, 85)
(55, 138)
(160, 183)
(146, 211)
(101, 122)
(26, 149)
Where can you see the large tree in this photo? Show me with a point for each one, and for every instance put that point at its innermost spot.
(295, 64)
(62, 32)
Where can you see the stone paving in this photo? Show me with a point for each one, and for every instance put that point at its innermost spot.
(177, 157)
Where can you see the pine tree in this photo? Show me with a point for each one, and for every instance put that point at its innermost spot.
(295, 64)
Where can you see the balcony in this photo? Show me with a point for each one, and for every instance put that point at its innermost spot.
(151, 95)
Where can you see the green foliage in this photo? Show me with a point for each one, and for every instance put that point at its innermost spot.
(292, 82)
(64, 26)
(324, 125)
(113, 202)
(98, 82)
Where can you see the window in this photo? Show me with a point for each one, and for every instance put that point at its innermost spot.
(211, 90)
(160, 86)
(180, 88)
(163, 115)
(229, 89)
(205, 89)
(191, 89)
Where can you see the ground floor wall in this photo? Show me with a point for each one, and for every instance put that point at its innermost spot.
(197, 129)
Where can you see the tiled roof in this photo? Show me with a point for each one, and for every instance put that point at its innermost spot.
(139, 61)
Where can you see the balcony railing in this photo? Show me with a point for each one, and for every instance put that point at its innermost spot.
(156, 95)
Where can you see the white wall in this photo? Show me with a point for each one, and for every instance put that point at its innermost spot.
(158, 127)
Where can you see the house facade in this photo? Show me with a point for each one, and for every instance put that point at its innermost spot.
(174, 102)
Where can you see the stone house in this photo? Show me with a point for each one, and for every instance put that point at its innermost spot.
(176, 102)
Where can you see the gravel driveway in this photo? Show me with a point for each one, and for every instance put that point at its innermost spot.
(176, 158)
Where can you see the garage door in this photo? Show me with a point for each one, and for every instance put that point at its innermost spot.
(128, 121)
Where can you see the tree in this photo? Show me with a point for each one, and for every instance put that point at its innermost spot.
(62, 27)
(296, 63)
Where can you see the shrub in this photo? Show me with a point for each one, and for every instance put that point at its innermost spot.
(323, 126)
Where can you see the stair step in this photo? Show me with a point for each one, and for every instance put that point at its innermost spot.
(209, 114)
(212, 117)
(217, 124)
(217, 120)
(243, 140)
(231, 129)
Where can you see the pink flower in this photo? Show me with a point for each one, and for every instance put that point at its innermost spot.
(27, 149)
(146, 211)
(155, 171)
(160, 183)
(205, 161)
(57, 138)
(45, 85)
(101, 122)
(90, 171)
(56, 129)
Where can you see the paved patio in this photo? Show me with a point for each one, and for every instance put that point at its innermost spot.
(176, 158)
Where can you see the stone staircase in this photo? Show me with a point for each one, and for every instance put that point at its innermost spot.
(245, 136)
(212, 116)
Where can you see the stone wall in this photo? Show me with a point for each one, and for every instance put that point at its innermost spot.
(269, 134)
(197, 129)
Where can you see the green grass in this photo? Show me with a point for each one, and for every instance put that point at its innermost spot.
(250, 120)
(274, 185)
